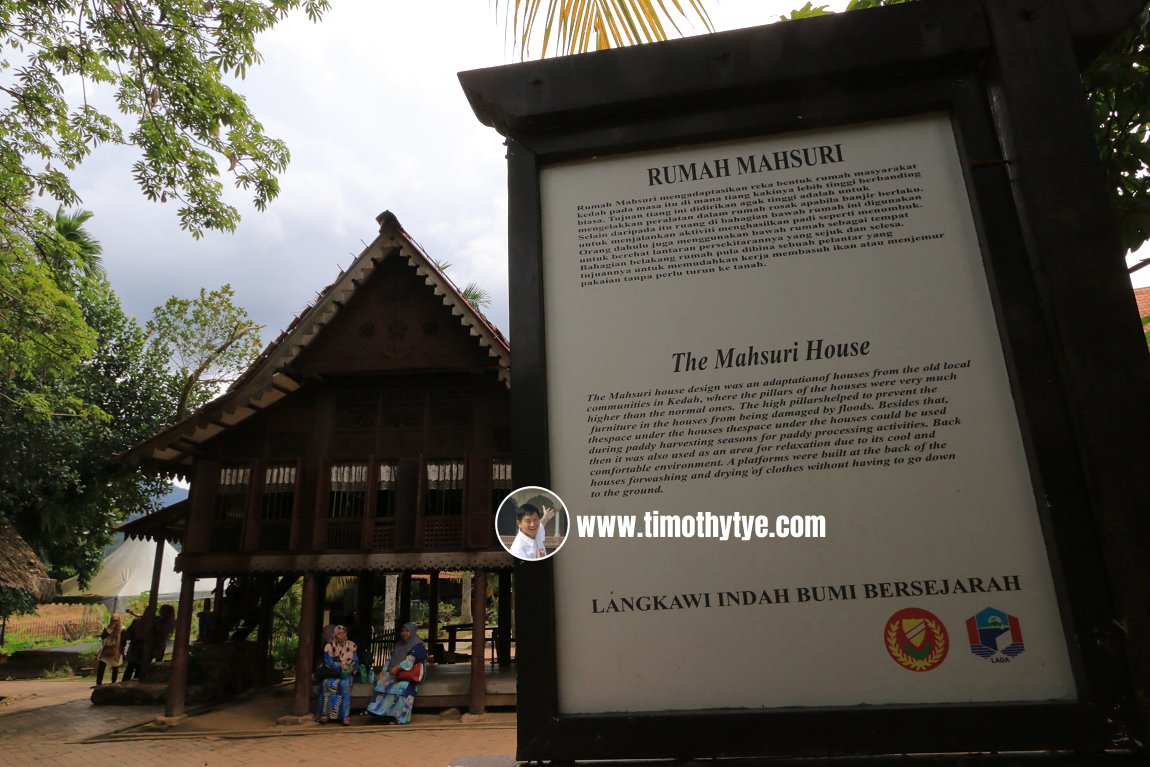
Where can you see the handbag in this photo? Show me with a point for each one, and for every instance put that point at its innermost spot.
(414, 674)
(324, 671)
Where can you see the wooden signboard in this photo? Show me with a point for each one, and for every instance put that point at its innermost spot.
(786, 344)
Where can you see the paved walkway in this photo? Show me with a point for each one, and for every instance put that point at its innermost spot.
(53, 719)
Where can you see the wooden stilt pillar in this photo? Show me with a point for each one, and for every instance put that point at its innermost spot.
(218, 612)
(390, 597)
(323, 616)
(477, 703)
(404, 611)
(264, 637)
(178, 681)
(465, 598)
(305, 655)
(433, 611)
(150, 612)
(364, 599)
(503, 643)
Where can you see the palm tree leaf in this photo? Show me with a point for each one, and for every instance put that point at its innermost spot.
(625, 35)
(574, 26)
(644, 23)
(475, 295)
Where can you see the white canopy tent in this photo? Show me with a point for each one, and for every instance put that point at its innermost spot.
(127, 572)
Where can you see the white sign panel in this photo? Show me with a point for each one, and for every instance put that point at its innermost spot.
(781, 420)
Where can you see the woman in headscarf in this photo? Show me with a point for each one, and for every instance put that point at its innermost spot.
(111, 651)
(340, 659)
(393, 697)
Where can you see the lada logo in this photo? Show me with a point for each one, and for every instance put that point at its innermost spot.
(995, 635)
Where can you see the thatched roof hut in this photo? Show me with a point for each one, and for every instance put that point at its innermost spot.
(20, 568)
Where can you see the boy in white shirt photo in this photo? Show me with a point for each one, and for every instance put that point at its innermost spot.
(529, 541)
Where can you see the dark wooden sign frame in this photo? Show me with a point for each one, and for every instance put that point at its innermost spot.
(1007, 73)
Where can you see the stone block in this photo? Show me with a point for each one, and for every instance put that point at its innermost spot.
(167, 722)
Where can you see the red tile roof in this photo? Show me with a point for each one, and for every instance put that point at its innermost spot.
(1142, 295)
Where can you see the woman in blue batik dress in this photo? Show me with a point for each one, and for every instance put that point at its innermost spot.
(340, 658)
(393, 698)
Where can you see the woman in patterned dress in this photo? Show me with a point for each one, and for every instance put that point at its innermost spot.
(394, 698)
(340, 657)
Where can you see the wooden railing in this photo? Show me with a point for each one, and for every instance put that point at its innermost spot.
(383, 642)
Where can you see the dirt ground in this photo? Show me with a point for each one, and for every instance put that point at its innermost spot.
(54, 719)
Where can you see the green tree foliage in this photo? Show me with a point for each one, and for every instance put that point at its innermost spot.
(286, 626)
(43, 333)
(164, 62)
(74, 394)
(15, 602)
(80, 383)
(58, 485)
(68, 249)
(209, 341)
(1118, 83)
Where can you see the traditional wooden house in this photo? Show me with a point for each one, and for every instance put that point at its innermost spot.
(373, 436)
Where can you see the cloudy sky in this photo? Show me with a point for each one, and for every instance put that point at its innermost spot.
(369, 103)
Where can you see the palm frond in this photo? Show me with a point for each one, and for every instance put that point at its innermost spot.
(476, 296)
(577, 26)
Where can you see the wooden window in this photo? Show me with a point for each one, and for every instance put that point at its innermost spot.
(231, 504)
(501, 484)
(385, 489)
(387, 480)
(279, 492)
(277, 506)
(233, 492)
(445, 488)
(346, 505)
(347, 498)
